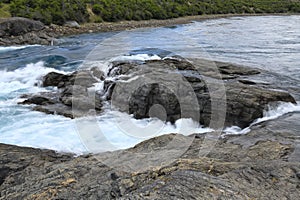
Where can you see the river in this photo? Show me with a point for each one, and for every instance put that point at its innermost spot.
(270, 43)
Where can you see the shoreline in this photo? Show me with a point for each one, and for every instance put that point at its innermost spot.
(49, 34)
(130, 25)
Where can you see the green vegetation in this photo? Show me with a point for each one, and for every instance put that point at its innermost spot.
(50, 11)
(59, 11)
(4, 10)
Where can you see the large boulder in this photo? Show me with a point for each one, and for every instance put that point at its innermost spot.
(246, 103)
(72, 24)
(82, 78)
(18, 26)
(54, 79)
(182, 91)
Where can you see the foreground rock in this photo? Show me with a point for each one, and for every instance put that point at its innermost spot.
(215, 94)
(261, 165)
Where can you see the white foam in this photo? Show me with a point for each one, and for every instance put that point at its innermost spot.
(281, 109)
(137, 57)
(270, 114)
(115, 130)
(34, 129)
(23, 80)
(105, 65)
(112, 130)
(235, 130)
(12, 48)
(20, 126)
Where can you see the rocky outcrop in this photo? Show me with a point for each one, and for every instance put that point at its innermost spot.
(17, 26)
(83, 78)
(209, 92)
(264, 164)
(72, 99)
(18, 31)
(185, 90)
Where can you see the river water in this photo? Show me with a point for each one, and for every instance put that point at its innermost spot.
(271, 43)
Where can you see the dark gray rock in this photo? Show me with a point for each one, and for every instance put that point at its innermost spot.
(17, 26)
(97, 73)
(190, 91)
(230, 69)
(81, 78)
(72, 99)
(77, 97)
(54, 79)
(23, 31)
(38, 100)
(245, 104)
(247, 82)
(27, 38)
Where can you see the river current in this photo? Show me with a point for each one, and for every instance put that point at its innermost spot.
(271, 43)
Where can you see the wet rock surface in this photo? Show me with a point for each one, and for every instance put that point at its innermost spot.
(263, 164)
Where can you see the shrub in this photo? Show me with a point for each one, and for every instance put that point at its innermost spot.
(97, 9)
(58, 11)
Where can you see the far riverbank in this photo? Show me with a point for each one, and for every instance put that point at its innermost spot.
(48, 34)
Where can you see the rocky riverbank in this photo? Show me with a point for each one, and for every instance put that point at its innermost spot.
(21, 31)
